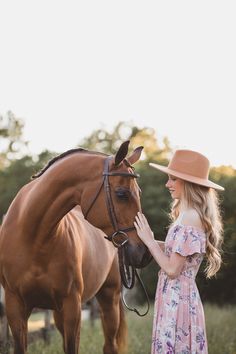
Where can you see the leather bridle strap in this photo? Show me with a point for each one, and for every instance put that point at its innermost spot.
(145, 293)
(110, 206)
(94, 199)
(127, 274)
(109, 203)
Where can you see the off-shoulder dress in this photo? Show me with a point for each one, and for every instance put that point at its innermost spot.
(179, 322)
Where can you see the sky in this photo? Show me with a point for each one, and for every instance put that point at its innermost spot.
(70, 67)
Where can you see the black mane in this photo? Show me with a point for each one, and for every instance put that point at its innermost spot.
(61, 156)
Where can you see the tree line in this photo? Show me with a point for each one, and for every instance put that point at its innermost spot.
(17, 167)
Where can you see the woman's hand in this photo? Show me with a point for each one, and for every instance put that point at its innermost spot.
(172, 265)
(143, 230)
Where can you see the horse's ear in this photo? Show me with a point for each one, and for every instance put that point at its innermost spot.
(135, 156)
(121, 153)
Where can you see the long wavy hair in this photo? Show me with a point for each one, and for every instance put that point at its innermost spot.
(206, 202)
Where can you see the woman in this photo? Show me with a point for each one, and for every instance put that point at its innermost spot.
(196, 230)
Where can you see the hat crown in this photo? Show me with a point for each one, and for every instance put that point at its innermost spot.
(191, 163)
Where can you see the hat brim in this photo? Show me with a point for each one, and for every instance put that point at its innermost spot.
(185, 177)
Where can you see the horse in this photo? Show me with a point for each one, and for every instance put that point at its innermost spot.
(52, 258)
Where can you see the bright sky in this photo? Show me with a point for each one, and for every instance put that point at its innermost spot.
(69, 67)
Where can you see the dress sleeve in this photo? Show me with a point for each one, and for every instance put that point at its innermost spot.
(188, 240)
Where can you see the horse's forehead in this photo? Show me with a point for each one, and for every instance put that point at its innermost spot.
(129, 182)
(124, 166)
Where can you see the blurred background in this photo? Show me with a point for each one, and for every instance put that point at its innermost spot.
(16, 170)
(95, 73)
(218, 294)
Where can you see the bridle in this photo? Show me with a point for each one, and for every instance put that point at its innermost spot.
(127, 273)
(110, 206)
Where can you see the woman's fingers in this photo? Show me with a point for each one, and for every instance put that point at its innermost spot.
(136, 225)
(139, 232)
(143, 218)
(142, 226)
(142, 221)
(138, 221)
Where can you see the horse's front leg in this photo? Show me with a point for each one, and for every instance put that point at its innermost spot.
(112, 321)
(68, 321)
(17, 316)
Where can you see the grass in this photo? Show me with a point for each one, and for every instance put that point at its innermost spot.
(221, 333)
(221, 329)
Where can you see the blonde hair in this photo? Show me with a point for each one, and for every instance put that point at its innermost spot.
(206, 202)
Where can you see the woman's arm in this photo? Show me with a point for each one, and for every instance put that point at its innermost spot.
(161, 245)
(172, 265)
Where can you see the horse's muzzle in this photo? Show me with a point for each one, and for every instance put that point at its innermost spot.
(137, 256)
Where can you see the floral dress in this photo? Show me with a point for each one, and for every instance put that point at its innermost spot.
(179, 323)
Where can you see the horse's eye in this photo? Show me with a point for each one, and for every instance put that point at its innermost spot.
(122, 194)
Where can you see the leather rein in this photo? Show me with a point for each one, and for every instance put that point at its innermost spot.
(128, 273)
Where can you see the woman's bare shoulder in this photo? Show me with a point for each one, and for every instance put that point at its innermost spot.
(192, 218)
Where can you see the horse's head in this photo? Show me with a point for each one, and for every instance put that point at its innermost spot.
(113, 202)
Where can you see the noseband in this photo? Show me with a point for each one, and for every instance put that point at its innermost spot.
(127, 272)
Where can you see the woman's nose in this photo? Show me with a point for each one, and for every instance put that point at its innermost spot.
(168, 184)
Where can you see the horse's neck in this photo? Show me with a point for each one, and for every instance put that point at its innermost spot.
(57, 191)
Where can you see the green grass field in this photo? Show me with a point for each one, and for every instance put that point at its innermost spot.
(221, 333)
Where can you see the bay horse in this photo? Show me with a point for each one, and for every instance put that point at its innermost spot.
(51, 258)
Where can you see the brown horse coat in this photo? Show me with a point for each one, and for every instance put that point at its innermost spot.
(50, 257)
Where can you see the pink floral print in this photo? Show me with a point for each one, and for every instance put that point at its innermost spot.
(179, 323)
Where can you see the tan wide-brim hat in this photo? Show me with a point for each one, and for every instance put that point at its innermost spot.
(190, 166)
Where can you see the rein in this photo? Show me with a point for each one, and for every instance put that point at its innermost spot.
(146, 295)
(128, 273)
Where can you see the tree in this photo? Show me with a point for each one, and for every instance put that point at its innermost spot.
(108, 142)
(155, 197)
(17, 174)
(222, 288)
(11, 138)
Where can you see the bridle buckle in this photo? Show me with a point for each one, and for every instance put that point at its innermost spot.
(115, 243)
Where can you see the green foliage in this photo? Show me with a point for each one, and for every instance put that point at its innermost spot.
(17, 174)
(155, 197)
(11, 179)
(11, 138)
(109, 142)
(222, 288)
